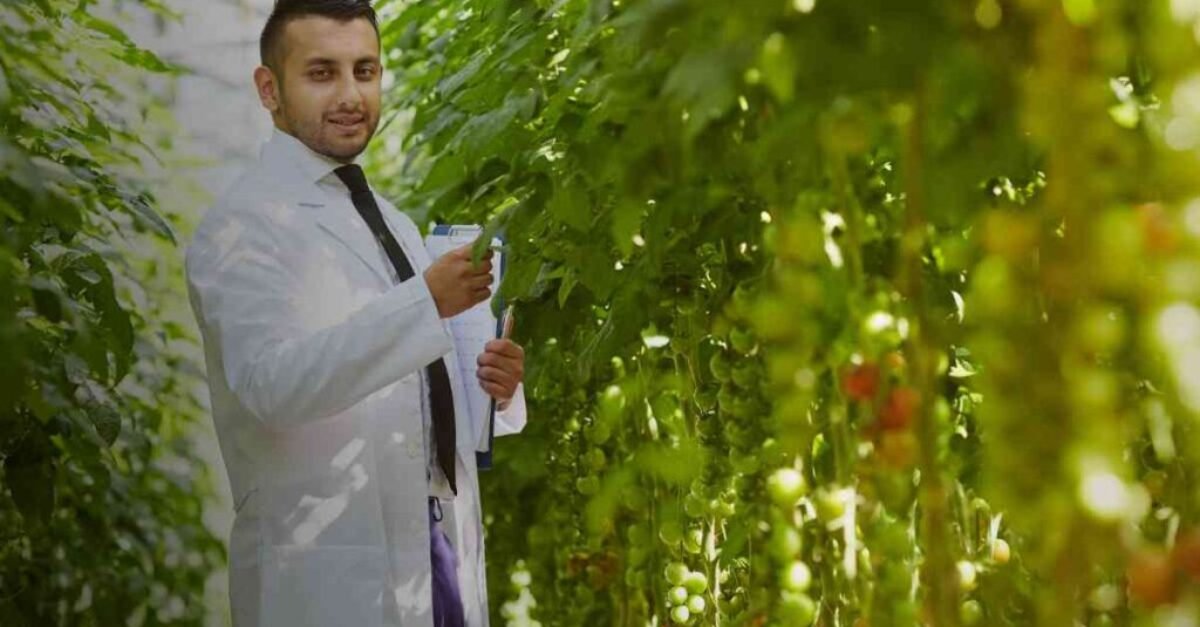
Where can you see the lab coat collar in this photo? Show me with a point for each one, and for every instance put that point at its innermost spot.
(285, 148)
(289, 157)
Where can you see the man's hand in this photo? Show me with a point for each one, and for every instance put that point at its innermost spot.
(501, 369)
(458, 285)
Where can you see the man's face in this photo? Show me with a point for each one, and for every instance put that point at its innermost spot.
(329, 91)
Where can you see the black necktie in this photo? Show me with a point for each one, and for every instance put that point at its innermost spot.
(441, 399)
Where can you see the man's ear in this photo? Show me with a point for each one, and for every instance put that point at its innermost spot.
(268, 88)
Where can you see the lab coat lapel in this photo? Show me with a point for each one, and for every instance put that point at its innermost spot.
(348, 228)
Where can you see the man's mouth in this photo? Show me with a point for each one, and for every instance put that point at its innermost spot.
(348, 123)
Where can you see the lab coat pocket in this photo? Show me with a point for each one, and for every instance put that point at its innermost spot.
(338, 506)
(326, 586)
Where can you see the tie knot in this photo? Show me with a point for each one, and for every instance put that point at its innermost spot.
(352, 175)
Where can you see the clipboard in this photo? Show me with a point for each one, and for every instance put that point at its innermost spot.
(469, 332)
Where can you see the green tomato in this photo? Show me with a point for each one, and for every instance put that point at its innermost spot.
(785, 542)
(786, 486)
(695, 582)
(727, 398)
(671, 532)
(676, 573)
(745, 375)
(797, 608)
(587, 486)
(693, 541)
(968, 576)
(677, 595)
(597, 460)
(970, 613)
(680, 614)
(696, 604)
(599, 433)
(695, 506)
(830, 505)
(637, 534)
(742, 340)
(719, 366)
(797, 577)
(634, 499)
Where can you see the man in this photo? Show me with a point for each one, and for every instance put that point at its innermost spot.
(335, 393)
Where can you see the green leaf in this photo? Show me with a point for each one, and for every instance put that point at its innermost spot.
(32, 486)
(107, 422)
(569, 204)
(141, 209)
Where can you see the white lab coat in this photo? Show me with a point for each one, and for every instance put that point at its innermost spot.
(314, 361)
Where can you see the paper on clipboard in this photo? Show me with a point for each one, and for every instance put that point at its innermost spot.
(472, 329)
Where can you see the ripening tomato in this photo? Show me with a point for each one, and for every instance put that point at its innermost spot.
(899, 408)
(860, 381)
(898, 449)
(1158, 234)
(1186, 555)
(1151, 578)
(1001, 552)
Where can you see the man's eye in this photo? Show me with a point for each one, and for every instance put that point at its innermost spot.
(366, 72)
(319, 74)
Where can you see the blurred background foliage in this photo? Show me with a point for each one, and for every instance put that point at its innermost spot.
(101, 492)
(838, 313)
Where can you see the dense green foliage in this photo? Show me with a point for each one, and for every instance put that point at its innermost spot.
(845, 310)
(101, 496)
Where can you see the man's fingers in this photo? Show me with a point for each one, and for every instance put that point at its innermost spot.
(497, 377)
(505, 347)
(508, 364)
(496, 391)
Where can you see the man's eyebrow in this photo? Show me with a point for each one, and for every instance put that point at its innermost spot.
(326, 61)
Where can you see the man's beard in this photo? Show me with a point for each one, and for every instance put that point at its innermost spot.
(313, 137)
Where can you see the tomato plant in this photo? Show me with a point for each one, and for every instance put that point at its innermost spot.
(102, 495)
(879, 312)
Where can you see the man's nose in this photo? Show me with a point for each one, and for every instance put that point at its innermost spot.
(349, 94)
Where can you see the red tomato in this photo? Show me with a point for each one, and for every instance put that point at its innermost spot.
(860, 382)
(898, 409)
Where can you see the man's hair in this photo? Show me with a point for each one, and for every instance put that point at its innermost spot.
(270, 45)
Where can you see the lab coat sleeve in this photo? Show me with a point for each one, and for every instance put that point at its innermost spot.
(511, 420)
(245, 276)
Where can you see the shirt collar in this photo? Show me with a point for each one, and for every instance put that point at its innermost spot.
(285, 148)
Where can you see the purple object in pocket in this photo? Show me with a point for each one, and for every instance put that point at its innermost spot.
(447, 599)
